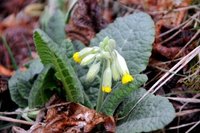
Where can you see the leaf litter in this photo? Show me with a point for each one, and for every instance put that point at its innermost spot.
(69, 118)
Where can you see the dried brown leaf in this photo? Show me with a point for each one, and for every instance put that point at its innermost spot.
(85, 21)
(72, 117)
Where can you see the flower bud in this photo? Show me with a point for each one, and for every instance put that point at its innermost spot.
(84, 52)
(88, 59)
(104, 42)
(105, 55)
(111, 45)
(115, 72)
(93, 71)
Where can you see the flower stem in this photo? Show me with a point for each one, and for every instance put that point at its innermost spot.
(100, 93)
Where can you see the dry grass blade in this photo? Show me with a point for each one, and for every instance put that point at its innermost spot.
(3, 118)
(188, 100)
(176, 10)
(193, 127)
(183, 125)
(186, 112)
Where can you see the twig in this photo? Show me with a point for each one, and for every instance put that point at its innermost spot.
(181, 92)
(188, 100)
(186, 8)
(56, 105)
(4, 118)
(18, 111)
(193, 127)
(183, 125)
(186, 112)
(176, 10)
(10, 113)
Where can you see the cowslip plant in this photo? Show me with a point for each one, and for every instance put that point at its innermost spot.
(108, 80)
(114, 66)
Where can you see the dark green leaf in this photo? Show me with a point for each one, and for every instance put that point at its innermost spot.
(50, 53)
(42, 87)
(134, 35)
(152, 113)
(55, 27)
(20, 83)
(69, 48)
(91, 89)
(120, 93)
(24, 88)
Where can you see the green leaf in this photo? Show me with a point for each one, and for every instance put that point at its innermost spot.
(152, 113)
(120, 93)
(87, 101)
(42, 87)
(50, 53)
(55, 26)
(134, 35)
(20, 83)
(24, 88)
(91, 89)
(69, 48)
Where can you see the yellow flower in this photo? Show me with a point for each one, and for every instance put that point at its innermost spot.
(107, 79)
(126, 78)
(76, 57)
(106, 89)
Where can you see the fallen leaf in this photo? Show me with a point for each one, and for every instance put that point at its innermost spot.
(85, 21)
(72, 117)
(5, 72)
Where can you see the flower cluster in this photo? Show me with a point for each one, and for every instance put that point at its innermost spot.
(115, 64)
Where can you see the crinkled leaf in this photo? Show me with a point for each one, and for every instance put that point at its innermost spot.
(69, 48)
(20, 83)
(50, 53)
(91, 89)
(152, 113)
(120, 93)
(78, 45)
(24, 88)
(134, 35)
(55, 26)
(42, 87)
